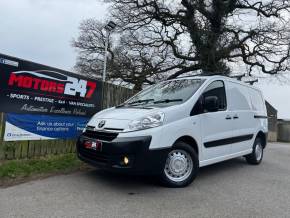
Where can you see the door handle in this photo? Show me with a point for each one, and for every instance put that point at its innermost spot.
(236, 116)
(228, 117)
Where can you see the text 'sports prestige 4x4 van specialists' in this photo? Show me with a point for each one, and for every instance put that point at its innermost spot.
(175, 127)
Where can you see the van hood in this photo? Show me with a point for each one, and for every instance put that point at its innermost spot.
(125, 113)
(119, 118)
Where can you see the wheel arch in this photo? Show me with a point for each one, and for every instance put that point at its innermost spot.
(263, 137)
(190, 141)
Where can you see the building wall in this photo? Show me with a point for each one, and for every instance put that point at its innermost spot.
(284, 131)
(272, 122)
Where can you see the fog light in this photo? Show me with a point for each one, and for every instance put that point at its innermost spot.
(126, 160)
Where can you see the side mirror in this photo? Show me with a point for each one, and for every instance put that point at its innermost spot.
(211, 104)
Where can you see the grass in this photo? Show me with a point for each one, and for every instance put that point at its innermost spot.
(19, 169)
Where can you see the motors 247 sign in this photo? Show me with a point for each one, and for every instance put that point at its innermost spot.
(31, 88)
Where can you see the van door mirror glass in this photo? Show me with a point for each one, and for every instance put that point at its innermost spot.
(211, 104)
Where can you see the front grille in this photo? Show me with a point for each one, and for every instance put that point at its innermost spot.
(93, 155)
(103, 136)
(114, 129)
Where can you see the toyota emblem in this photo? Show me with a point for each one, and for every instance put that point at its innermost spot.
(101, 123)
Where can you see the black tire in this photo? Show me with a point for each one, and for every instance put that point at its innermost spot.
(254, 158)
(187, 150)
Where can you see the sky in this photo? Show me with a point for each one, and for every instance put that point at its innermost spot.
(276, 90)
(42, 31)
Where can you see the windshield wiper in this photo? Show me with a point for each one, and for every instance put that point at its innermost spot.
(135, 102)
(140, 101)
(167, 100)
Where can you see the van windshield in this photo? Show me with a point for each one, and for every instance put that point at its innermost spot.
(166, 93)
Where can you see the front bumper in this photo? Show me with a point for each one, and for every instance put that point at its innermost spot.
(142, 160)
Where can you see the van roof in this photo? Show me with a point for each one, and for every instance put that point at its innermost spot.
(215, 77)
(201, 77)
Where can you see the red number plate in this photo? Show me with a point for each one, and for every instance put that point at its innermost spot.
(94, 145)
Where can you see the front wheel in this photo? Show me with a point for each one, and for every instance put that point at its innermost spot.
(256, 156)
(181, 166)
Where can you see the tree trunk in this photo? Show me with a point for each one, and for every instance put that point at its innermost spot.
(137, 87)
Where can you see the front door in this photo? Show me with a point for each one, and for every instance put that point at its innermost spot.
(217, 126)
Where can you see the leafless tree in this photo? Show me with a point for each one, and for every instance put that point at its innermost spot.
(128, 60)
(90, 46)
(211, 35)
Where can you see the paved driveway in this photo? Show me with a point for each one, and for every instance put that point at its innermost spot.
(229, 189)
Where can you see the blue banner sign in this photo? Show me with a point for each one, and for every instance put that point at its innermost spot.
(42, 127)
(31, 88)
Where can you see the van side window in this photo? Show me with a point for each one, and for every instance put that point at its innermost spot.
(257, 100)
(217, 89)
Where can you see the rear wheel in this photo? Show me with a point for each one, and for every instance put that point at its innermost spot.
(181, 166)
(257, 154)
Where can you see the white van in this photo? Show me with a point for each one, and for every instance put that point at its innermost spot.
(175, 127)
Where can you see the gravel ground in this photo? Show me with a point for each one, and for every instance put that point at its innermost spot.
(229, 189)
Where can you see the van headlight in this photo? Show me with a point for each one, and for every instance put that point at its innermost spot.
(150, 121)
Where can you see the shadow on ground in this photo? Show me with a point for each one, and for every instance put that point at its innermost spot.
(121, 181)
